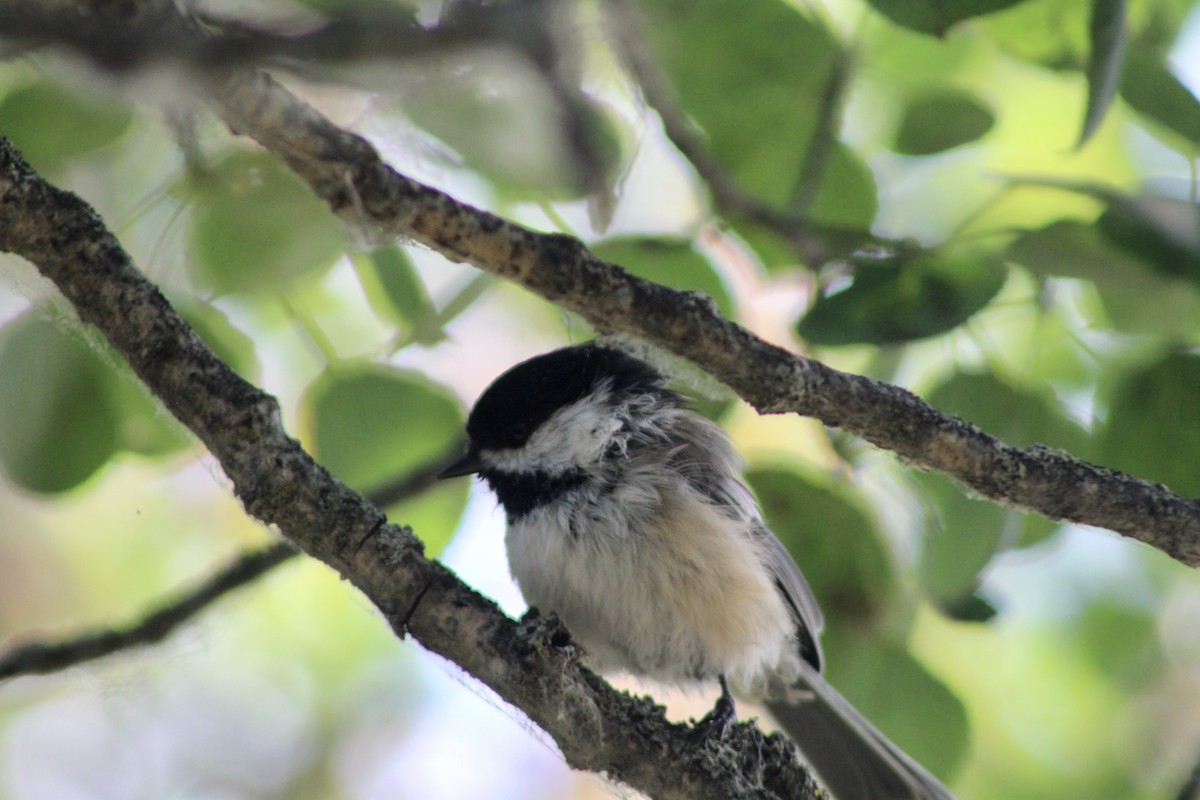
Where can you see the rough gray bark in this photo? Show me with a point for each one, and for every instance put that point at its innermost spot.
(529, 664)
(345, 171)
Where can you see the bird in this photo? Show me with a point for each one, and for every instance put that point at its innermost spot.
(627, 517)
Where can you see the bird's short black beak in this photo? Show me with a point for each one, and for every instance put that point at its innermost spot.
(467, 465)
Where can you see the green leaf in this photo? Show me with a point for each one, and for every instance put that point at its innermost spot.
(1123, 640)
(1163, 231)
(965, 532)
(1062, 34)
(1074, 250)
(669, 261)
(936, 16)
(1020, 418)
(1137, 297)
(848, 197)
(833, 538)
(1153, 91)
(1150, 431)
(911, 706)
(1166, 308)
(529, 141)
(843, 212)
(941, 120)
(60, 418)
(599, 137)
(1158, 23)
(971, 608)
(751, 76)
(962, 535)
(434, 513)
(52, 123)
(758, 100)
(374, 425)
(1108, 36)
(776, 252)
(145, 427)
(1049, 33)
(904, 297)
(256, 227)
(396, 292)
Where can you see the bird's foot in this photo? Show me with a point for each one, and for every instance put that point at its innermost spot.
(724, 713)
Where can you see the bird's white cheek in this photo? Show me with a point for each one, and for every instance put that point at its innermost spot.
(576, 436)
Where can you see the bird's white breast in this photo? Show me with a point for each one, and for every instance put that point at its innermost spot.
(652, 579)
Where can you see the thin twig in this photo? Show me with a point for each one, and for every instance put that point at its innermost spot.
(823, 144)
(815, 243)
(410, 485)
(43, 657)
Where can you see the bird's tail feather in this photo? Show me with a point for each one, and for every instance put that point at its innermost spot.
(853, 759)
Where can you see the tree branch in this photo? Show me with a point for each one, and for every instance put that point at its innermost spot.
(40, 657)
(530, 665)
(156, 35)
(346, 171)
(823, 145)
(527, 664)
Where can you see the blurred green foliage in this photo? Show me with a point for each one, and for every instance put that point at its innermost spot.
(60, 422)
(940, 121)
(1006, 194)
(912, 295)
(255, 226)
(56, 122)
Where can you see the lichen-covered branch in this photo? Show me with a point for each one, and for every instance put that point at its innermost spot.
(529, 664)
(346, 172)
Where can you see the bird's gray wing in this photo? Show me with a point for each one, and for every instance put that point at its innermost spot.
(701, 452)
(796, 591)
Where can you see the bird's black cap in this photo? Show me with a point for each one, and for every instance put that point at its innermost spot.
(512, 408)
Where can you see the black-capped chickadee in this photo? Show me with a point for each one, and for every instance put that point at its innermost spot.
(626, 516)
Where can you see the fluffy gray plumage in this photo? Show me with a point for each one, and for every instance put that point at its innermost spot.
(627, 517)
